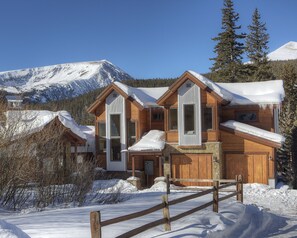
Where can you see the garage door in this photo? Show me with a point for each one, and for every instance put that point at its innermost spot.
(253, 167)
(192, 166)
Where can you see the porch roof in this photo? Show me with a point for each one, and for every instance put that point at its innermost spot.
(151, 143)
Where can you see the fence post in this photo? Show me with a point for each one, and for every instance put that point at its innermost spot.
(167, 184)
(239, 188)
(95, 221)
(216, 196)
(166, 214)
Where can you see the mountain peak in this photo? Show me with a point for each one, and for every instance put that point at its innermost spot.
(287, 51)
(61, 81)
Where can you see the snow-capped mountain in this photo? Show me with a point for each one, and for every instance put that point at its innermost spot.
(286, 52)
(61, 81)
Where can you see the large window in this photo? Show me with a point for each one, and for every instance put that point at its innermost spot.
(115, 137)
(173, 119)
(246, 116)
(189, 119)
(131, 133)
(102, 137)
(207, 120)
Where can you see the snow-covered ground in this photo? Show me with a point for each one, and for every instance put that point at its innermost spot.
(266, 212)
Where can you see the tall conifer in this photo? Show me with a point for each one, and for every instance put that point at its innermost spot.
(227, 63)
(288, 118)
(257, 48)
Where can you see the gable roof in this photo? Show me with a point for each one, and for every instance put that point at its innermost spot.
(141, 97)
(25, 122)
(214, 89)
(253, 133)
(252, 93)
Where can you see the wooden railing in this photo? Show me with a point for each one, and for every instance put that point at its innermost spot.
(97, 224)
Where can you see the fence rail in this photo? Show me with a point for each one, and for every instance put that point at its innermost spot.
(97, 224)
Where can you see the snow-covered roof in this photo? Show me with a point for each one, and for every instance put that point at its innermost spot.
(225, 94)
(31, 121)
(146, 97)
(265, 92)
(254, 131)
(89, 132)
(259, 93)
(153, 141)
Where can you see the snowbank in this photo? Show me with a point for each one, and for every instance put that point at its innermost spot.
(8, 230)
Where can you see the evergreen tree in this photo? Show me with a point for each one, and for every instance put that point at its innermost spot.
(227, 64)
(288, 117)
(257, 48)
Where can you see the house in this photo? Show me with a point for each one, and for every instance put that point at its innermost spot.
(210, 130)
(14, 102)
(45, 135)
(85, 152)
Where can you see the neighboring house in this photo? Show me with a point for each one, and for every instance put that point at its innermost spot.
(86, 151)
(14, 102)
(46, 135)
(212, 130)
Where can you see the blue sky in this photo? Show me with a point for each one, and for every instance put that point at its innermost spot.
(146, 38)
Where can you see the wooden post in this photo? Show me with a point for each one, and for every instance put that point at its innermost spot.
(95, 222)
(133, 166)
(167, 184)
(166, 214)
(160, 166)
(216, 196)
(239, 188)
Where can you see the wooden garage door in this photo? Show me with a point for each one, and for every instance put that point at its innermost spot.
(253, 167)
(192, 166)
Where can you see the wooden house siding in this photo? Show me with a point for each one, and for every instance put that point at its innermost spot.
(265, 119)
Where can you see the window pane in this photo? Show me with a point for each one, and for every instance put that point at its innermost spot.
(189, 119)
(131, 133)
(102, 129)
(115, 149)
(115, 125)
(207, 118)
(131, 128)
(173, 119)
(102, 145)
(246, 116)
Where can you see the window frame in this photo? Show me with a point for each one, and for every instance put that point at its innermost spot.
(241, 112)
(169, 119)
(194, 119)
(115, 137)
(208, 106)
(129, 137)
(102, 138)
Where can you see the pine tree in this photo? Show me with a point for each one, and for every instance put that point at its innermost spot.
(257, 48)
(228, 62)
(288, 117)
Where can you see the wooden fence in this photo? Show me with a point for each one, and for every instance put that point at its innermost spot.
(97, 224)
